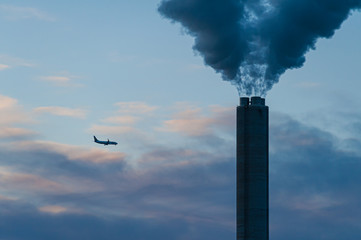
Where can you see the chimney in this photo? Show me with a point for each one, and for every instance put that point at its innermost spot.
(252, 169)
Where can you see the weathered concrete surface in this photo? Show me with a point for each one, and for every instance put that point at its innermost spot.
(252, 170)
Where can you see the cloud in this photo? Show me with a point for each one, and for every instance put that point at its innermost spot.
(64, 80)
(186, 188)
(57, 210)
(62, 111)
(14, 13)
(93, 155)
(12, 114)
(139, 128)
(10, 132)
(124, 119)
(111, 130)
(177, 157)
(312, 202)
(121, 120)
(144, 186)
(10, 61)
(191, 121)
(54, 209)
(11, 111)
(46, 171)
(3, 67)
(7, 102)
(135, 108)
(6, 198)
(37, 225)
(57, 79)
(313, 181)
(15, 181)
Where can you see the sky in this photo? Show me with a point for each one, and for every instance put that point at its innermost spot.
(120, 70)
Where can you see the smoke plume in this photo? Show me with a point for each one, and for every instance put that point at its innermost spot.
(253, 42)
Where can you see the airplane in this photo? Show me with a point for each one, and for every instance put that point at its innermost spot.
(104, 142)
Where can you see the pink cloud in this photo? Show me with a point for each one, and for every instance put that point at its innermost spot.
(10, 132)
(11, 111)
(191, 121)
(4, 66)
(7, 102)
(12, 114)
(58, 209)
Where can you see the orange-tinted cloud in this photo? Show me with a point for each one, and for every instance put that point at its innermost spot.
(191, 121)
(53, 209)
(11, 132)
(12, 114)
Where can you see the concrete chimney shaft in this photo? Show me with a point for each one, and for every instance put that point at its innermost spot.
(252, 169)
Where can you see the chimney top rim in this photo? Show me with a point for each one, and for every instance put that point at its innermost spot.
(256, 100)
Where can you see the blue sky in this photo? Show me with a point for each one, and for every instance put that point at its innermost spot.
(119, 70)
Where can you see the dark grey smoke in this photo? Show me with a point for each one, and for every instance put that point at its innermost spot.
(252, 42)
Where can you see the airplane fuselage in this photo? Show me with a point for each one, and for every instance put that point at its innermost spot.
(104, 142)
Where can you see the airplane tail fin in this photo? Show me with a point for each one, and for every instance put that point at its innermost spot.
(95, 139)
